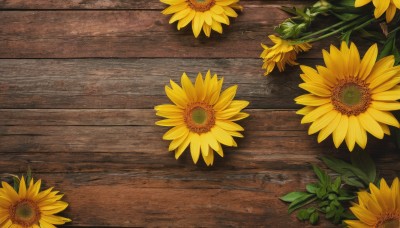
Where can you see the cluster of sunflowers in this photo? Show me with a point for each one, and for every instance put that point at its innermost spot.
(347, 98)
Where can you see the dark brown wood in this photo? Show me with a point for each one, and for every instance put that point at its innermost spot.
(118, 34)
(119, 4)
(135, 83)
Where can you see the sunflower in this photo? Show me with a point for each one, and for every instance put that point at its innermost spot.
(382, 6)
(350, 96)
(380, 208)
(29, 207)
(201, 117)
(204, 14)
(282, 53)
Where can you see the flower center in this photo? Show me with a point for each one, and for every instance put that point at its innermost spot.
(199, 117)
(351, 97)
(389, 220)
(25, 213)
(201, 5)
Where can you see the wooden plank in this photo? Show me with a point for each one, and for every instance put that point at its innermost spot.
(117, 4)
(134, 83)
(167, 195)
(267, 132)
(117, 34)
(126, 202)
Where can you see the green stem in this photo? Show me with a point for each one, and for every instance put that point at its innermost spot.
(395, 30)
(324, 30)
(364, 23)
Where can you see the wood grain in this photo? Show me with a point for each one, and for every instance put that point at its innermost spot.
(117, 34)
(128, 83)
(119, 4)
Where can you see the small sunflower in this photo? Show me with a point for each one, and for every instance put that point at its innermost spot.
(30, 207)
(201, 117)
(282, 53)
(205, 15)
(378, 209)
(381, 6)
(350, 97)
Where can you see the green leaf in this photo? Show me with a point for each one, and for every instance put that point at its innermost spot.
(322, 176)
(292, 196)
(16, 183)
(302, 201)
(352, 181)
(363, 161)
(389, 46)
(336, 184)
(346, 198)
(312, 188)
(28, 176)
(303, 215)
(314, 218)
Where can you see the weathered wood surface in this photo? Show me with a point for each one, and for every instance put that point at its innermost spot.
(78, 109)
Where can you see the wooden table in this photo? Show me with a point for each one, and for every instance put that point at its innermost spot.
(78, 83)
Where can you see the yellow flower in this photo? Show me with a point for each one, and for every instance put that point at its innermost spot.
(204, 14)
(350, 96)
(382, 6)
(30, 207)
(282, 53)
(201, 117)
(380, 208)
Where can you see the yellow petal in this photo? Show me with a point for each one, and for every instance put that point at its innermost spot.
(208, 159)
(195, 147)
(341, 130)
(222, 136)
(352, 132)
(322, 122)
(383, 117)
(385, 106)
(316, 113)
(175, 132)
(370, 125)
(225, 98)
(325, 132)
(368, 62)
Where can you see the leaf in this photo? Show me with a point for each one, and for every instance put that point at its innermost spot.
(322, 176)
(28, 176)
(336, 184)
(363, 161)
(292, 196)
(347, 170)
(16, 183)
(335, 164)
(350, 180)
(389, 46)
(314, 218)
(302, 201)
(312, 188)
(303, 215)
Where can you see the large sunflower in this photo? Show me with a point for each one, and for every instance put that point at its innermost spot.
(378, 209)
(30, 207)
(282, 53)
(201, 117)
(204, 14)
(382, 6)
(350, 96)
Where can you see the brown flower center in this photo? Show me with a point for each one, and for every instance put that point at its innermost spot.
(351, 97)
(389, 220)
(25, 213)
(199, 117)
(201, 5)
